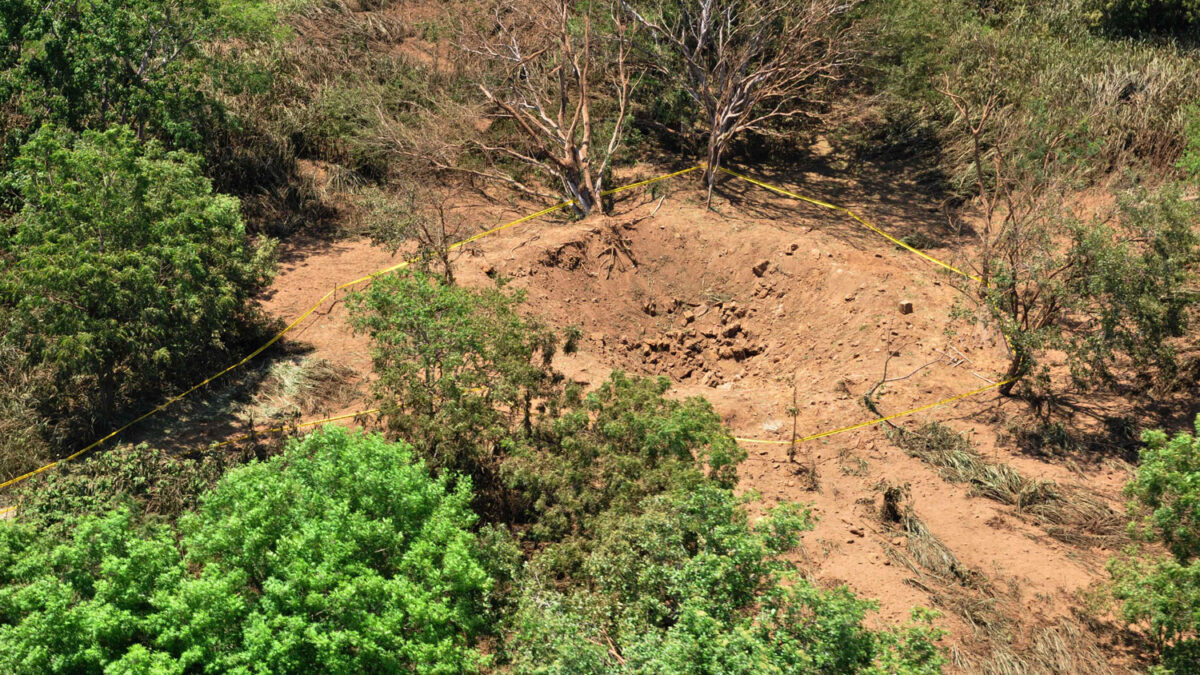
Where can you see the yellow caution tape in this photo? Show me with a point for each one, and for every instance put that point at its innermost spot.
(314, 308)
(881, 420)
(492, 231)
(853, 215)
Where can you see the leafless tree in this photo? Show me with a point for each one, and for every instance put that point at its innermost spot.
(748, 64)
(552, 77)
(424, 223)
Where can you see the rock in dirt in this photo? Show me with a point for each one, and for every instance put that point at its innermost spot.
(906, 307)
(761, 268)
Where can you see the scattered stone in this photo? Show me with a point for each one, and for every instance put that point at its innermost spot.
(906, 307)
(856, 531)
(761, 268)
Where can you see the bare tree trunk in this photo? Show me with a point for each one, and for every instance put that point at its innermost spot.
(548, 92)
(712, 165)
(748, 64)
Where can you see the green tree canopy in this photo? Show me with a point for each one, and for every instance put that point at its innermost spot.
(142, 63)
(458, 368)
(123, 269)
(342, 555)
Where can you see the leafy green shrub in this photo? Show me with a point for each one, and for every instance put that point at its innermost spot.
(458, 368)
(138, 62)
(688, 585)
(1158, 591)
(622, 443)
(123, 269)
(152, 480)
(1189, 163)
(342, 556)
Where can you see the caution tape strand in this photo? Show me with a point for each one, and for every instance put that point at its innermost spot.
(880, 420)
(292, 326)
(855, 216)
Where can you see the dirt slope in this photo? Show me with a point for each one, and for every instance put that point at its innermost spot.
(740, 305)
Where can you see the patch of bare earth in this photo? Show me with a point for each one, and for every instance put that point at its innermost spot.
(766, 300)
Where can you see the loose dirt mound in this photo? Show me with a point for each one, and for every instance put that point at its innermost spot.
(771, 301)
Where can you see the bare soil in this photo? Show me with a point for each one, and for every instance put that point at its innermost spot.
(764, 298)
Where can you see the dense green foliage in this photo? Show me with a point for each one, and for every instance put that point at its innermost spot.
(1133, 17)
(685, 584)
(618, 445)
(341, 555)
(457, 366)
(89, 65)
(122, 269)
(1163, 592)
(1189, 162)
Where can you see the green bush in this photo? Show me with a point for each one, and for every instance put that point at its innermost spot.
(688, 585)
(1162, 592)
(342, 555)
(606, 453)
(458, 368)
(123, 270)
(1189, 163)
(143, 63)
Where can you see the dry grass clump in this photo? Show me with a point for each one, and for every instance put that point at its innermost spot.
(1071, 514)
(303, 386)
(1060, 648)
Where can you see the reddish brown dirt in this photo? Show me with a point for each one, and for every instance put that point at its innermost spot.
(736, 306)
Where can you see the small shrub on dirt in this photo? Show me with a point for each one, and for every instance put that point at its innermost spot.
(1156, 591)
(571, 337)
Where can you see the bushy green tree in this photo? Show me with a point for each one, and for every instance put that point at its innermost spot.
(1163, 592)
(342, 555)
(142, 63)
(688, 585)
(122, 270)
(458, 368)
(621, 443)
(1105, 293)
